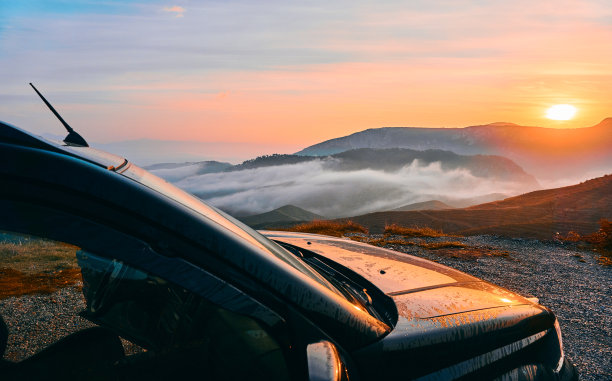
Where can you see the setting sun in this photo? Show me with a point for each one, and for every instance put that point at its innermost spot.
(561, 112)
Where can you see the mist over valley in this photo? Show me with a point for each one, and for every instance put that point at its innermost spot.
(350, 183)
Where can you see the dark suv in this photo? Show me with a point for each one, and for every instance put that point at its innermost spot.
(200, 294)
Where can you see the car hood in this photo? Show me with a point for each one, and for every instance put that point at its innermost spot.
(420, 288)
(448, 323)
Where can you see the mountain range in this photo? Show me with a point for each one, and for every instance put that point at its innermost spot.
(388, 160)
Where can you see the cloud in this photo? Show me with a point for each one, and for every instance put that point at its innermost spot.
(432, 63)
(175, 9)
(316, 187)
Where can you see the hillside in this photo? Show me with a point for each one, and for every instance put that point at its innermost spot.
(544, 152)
(425, 205)
(471, 201)
(285, 215)
(538, 214)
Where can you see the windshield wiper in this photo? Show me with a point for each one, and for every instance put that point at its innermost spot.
(351, 290)
(355, 292)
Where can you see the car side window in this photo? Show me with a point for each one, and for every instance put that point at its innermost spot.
(61, 305)
(170, 320)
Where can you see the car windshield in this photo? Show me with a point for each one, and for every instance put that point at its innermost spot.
(236, 227)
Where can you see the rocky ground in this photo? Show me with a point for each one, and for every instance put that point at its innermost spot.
(36, 321)
(564, 278)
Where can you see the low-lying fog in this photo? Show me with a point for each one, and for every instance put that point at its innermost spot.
(332, 193)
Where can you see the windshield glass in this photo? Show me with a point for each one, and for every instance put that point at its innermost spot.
(215, 215)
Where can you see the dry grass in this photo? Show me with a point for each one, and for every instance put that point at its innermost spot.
(604, 260)
(16, 283)
(444, 245)
(36, 266)
(414, 231)
(331, 228)
(37, 255)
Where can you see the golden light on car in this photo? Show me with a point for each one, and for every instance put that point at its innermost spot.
(561, 112)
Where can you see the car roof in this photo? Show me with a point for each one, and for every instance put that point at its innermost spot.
(15, 135)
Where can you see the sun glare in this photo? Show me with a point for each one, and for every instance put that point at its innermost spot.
(561, 112)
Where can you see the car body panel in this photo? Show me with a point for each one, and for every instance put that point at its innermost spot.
(108, 160)
(454, 299)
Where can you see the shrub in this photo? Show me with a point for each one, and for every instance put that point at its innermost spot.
(572, 236)
(332, 228)
(600, 241)
(605, 230)
(444, 245)
(415, 231)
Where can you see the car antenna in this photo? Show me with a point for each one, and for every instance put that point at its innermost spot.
(73, 137)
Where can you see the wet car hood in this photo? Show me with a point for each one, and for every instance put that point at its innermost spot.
(420, 288)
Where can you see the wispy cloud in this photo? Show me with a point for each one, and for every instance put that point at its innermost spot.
(178, 11)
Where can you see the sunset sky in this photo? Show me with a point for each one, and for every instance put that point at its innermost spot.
(291, 74)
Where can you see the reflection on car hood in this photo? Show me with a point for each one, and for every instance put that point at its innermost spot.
(420, 288)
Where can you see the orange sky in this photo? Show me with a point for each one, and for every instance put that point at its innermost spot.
(296, 75)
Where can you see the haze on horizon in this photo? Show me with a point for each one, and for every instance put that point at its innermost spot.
(291, 75)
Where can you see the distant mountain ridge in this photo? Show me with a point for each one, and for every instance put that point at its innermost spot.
(538, 150)
(286, 215)
(393, 159)
(425, 205)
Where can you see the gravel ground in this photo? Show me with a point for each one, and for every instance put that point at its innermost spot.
(565, 279)
(35, 321)
(568, 281)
